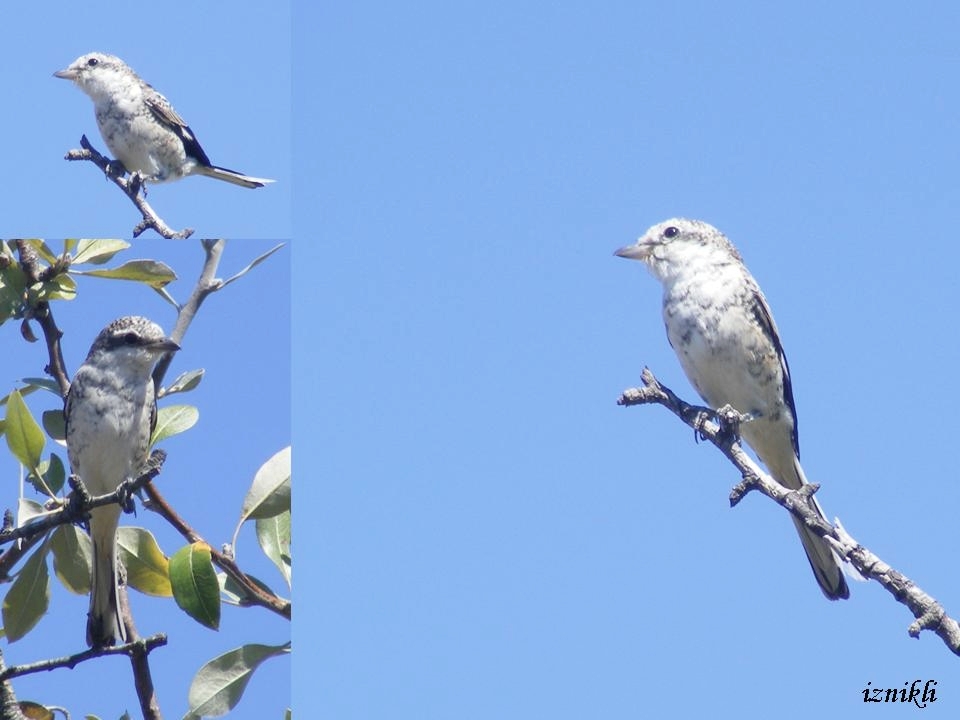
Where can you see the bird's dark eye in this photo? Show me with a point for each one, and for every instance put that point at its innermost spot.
(92, 62)
(130, 338)
(671, 232)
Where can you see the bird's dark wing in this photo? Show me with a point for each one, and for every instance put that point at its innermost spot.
(165, 114)
(66, 411)
(761, 311)
(153, 410)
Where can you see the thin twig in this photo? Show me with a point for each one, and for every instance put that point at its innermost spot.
(207, 283)
(929, 614)
(30, 264)
(141, 646)
(131, 188)
(78, 506)
(255, 594)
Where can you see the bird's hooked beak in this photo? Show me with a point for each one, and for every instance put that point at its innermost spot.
(640, 250)
(164, 346)
(66, 74)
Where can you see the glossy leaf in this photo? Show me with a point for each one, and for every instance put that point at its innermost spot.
(273, 534)
(148, 569)
(269, 494)
(72, 558)
(235, 594)
(218, 686)
(34, 711)
(55, 425)
(24, 436)
(151, 272)
(43, 383)
(185, 382)
(53, 474)
(97, 252)
(29, 596)
(173, 420)
(195, 585)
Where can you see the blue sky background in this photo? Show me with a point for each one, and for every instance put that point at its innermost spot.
(227, 72)
(487, 534)
(499, 539)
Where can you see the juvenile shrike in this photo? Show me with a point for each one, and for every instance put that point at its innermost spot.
(110, 412)
(139, 125)
(720, 326)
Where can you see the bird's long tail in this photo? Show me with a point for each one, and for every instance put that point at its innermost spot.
(104, 626)
(823, 560)
(826, 565)
(231, 176)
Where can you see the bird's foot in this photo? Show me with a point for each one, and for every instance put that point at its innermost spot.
(136, 182)
(115, 169)
(125, 496)
(729, 420)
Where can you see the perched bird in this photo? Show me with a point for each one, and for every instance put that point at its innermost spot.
(719, 324)
(110, 412)
(140, 126)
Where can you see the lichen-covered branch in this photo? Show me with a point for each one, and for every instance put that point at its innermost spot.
(131, 186)
(720, 429)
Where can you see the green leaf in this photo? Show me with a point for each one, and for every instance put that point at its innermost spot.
(173, 420)
(252, 265)
(59, 287)
(27, 510)
(24, 436)
(12, 285)
(52, 473)
(29, 596)
(152, 272)
(195, 586)
(269, 494)
(97, 252)
(273, 534)
(218, 686)
(162, 292)
(236, 595)
(55, 424)
(72, 558)
(34, 711)
(35, 383)
(185, 382)
(147, 567)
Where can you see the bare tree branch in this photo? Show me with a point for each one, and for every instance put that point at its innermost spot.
(30, 264)
(78, 506)
(207, 283)
(114, 171)
(255, 594)
(720, 429)
(141, 646)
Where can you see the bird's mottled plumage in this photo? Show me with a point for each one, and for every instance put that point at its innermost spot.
(110, 414)
(720, 325)
(139, 125)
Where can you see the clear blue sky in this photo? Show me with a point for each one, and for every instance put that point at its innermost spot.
(484, 533)
(498, 538)
(225, 70)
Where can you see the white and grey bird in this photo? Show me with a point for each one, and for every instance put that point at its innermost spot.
(110, 413)
(720, 326)
(139, 125)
